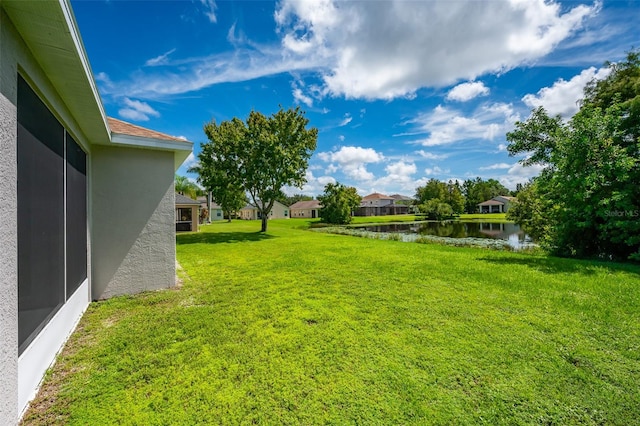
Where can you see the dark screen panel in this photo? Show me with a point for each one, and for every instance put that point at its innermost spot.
(76, 216)
(36, 118)
(40, 215)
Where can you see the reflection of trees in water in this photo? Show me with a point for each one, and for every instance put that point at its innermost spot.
(442, 229)
(504, 231)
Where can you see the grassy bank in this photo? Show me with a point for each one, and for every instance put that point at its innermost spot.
(297, 327)
(484, 217)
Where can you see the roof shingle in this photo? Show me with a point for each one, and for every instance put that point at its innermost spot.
(124, 128)
(377, 196)
(311, 204)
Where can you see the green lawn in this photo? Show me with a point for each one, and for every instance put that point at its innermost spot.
(484, 217)
(299, 327)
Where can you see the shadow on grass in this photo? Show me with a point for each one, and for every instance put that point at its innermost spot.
(222, 237)
(557, 265)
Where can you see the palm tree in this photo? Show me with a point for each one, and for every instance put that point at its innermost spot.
(187, 188)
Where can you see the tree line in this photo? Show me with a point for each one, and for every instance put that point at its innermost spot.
(441, 200)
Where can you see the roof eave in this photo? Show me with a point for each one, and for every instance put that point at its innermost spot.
(52, 35)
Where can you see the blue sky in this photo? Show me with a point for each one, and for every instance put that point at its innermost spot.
(401, 91)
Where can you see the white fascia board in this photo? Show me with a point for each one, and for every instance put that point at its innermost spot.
(65, 6)
(151, 143)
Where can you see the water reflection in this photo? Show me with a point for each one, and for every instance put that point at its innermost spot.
(509, 232)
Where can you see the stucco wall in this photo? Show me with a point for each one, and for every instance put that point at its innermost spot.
(9, 264)
(133, 215)
(8, 225)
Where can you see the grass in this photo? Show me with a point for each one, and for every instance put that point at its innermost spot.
(484, 217)
(298, 327)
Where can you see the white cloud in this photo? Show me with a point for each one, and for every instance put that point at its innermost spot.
(137, 110)
(351, 155)
(313, 186)
(193, 74)
(354, 46)
(191, 161)
(562, 98)
(400, 169)
(467, 91)
(352, 161)
(446, 126)
(346, 120)
(497, 166)
(399, 177)
(210, 10)
(519, 174)
(341, 137)
(331, 168)
(159, 60)
(435, 170)
(298, 94)
(431, 156)
(323, 180)
(359, 41)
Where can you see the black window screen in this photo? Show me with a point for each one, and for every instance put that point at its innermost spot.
(76, 216)
(40, 214)
(44, 148)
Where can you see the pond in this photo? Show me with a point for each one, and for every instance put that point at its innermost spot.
(507, 231)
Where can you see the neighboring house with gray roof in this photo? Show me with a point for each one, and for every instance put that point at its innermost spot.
(88, 203)
(214, 210)
(377, 204)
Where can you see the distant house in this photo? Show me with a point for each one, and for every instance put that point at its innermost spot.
(377, 204)
(187, 214)
(278, 211)
(499, 204)
(305, 209)
(214, 213)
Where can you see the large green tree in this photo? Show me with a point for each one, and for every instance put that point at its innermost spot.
(261, 155)
(436, 192)
(338, 203)
(435, 209)
(588, 192)
(217, 167)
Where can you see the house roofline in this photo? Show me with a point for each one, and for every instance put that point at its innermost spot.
(52, 35)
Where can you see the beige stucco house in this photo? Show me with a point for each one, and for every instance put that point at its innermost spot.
(187, 214)
(278, 211)
(104, 186)
(499, 204)
(305, 209)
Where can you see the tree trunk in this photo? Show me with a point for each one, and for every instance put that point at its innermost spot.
(264, 223)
